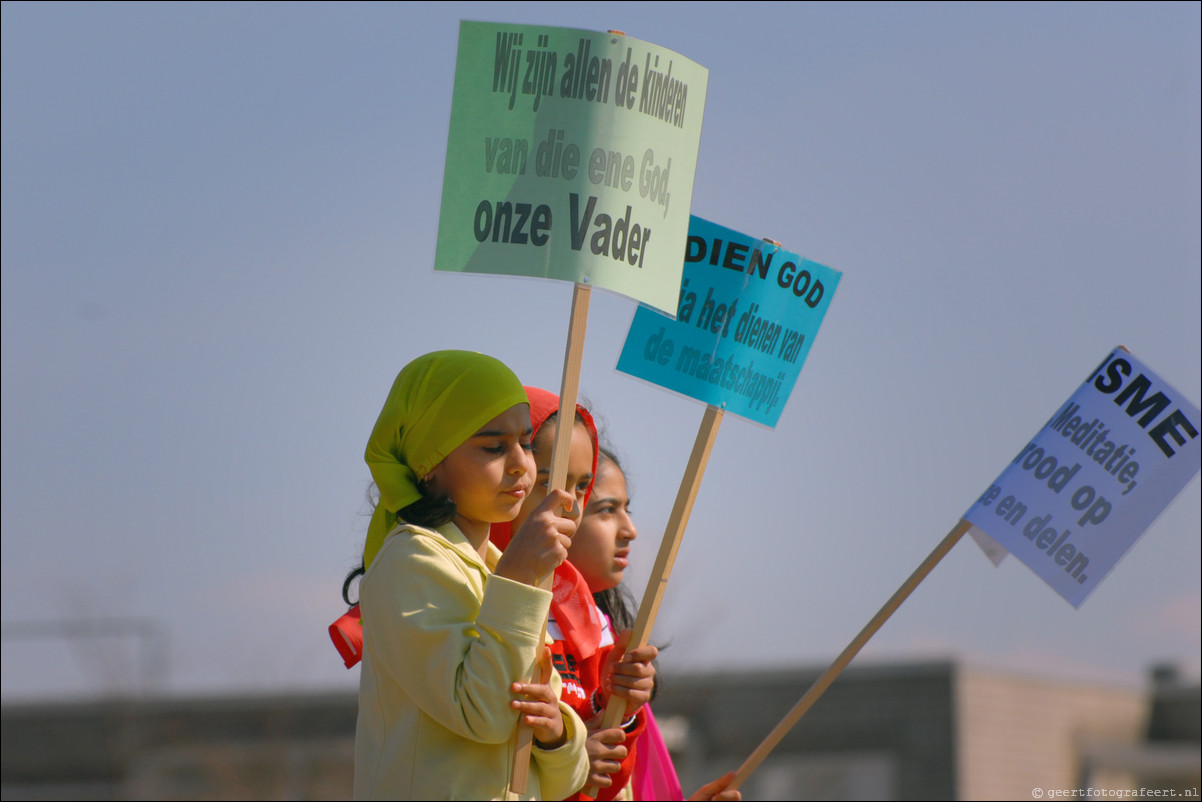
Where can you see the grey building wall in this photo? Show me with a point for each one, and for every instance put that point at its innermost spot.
(891, 732)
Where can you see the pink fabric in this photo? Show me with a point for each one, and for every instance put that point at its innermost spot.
(654, 775)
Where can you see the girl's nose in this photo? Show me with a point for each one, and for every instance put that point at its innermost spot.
(519, 460)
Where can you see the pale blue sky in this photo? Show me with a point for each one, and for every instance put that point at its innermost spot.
(218, 236)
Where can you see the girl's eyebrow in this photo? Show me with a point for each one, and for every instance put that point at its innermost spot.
(501, 433)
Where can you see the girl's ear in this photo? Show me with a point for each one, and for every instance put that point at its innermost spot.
(428, 484)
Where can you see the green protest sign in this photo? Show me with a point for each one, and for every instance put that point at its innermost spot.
(571, 155)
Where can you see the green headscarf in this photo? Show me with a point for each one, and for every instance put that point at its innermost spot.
(436, 403)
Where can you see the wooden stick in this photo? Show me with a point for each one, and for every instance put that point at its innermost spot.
(853, 648)
(615, 710)
(569, 388)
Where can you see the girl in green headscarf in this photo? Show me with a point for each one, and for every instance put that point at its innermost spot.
(451, 627)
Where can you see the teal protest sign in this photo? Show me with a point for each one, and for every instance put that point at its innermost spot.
(570, 155)
(746, 316)
(1093, 479)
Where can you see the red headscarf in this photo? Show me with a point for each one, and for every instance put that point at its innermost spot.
(571, 601)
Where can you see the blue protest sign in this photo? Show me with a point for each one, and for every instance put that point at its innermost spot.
(1094, 478)
(747, 315)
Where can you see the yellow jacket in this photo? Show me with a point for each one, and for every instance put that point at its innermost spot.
(443, 641)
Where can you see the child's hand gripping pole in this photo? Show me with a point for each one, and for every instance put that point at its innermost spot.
(540, 708)
(615, 711)
(569, 388)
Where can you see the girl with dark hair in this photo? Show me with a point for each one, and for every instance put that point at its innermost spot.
(600, 551)
(452, 629)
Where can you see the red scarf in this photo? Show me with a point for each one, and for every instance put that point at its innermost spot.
(572, 603)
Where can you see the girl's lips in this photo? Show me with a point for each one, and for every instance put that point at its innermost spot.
(621, 562)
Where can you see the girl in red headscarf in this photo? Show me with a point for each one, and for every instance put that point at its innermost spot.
(591, 660)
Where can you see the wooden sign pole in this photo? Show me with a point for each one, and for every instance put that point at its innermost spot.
(615, 710)
(569, 388)
(853, 648)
